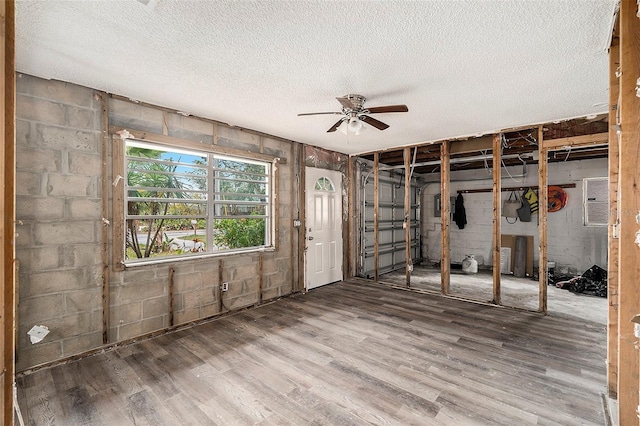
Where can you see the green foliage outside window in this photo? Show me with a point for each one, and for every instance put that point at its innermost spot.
(239, 233)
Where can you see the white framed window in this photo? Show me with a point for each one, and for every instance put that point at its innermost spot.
(185, 202)
(596, 201)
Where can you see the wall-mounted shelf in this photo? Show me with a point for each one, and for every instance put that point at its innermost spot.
(513, 188)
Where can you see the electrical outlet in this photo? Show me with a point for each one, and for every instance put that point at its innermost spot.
(225, 286)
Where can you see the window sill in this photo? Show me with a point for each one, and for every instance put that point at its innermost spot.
(195, 257)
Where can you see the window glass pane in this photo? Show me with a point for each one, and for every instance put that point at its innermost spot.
(239, 233)
(173, 196)
(154, 238)
(324, 184)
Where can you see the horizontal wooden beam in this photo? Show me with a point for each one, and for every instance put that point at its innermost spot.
(472, 145)
(576, 141)
(173, 141)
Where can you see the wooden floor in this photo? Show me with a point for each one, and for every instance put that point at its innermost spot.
(344, 354)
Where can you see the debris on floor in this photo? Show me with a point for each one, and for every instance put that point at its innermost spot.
(593, 282)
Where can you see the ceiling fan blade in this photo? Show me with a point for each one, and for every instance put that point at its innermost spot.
(335, 126)
(318, 113)
(346, 102)
(388, 108)
(373, 122)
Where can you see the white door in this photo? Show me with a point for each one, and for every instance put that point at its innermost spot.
(323, 190)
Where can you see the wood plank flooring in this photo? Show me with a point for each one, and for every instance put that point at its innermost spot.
(346, 354)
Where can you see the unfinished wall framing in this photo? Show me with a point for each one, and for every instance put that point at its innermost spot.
(534, 176)
(387, 216)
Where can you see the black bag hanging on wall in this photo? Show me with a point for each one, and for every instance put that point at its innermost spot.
(524, 212)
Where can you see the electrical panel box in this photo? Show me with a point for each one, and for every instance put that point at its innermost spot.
(437, 205)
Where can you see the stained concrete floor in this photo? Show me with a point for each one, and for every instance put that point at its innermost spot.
(515, 292)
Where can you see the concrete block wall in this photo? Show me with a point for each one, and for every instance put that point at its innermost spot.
(59, 228)
(573, 246)
(58, 204)
(196, 281)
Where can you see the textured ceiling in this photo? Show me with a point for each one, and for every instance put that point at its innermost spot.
(462, 67)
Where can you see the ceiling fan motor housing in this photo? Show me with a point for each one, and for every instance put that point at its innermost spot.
(357, 101)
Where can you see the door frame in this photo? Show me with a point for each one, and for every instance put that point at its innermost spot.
(337, 180)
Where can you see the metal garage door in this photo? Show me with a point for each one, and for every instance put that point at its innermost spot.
(390, 224)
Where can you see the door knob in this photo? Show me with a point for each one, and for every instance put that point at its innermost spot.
(310, 238)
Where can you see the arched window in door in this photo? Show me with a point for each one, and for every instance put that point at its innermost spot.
(324, 184)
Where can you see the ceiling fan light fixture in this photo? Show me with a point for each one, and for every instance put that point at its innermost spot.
(355, 125)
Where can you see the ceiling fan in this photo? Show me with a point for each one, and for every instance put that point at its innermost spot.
(354, 113)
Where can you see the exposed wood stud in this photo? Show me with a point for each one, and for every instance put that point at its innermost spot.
(376, 203)
(471, 145)
(104, 235)
(172, 272)
(407, 215)
(497, 216)
(302, 230)
(261, 144)
(629, 207)
(351, 190)
(613, 251)
(7, 203)
(215, 133)
(118, 176)
(292, 202)
(543, 214)
(575, 141)
(445, 216)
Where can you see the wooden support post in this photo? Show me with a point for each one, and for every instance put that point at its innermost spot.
(350, 256)
(172, 272)
(613, 253)
(376, 202)
(7, 202)
(292, 203)
(302, 230)
(407, 215)
(497, 215)
(629, 207)
(106, 139)
(445, 217)
(543, 212)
